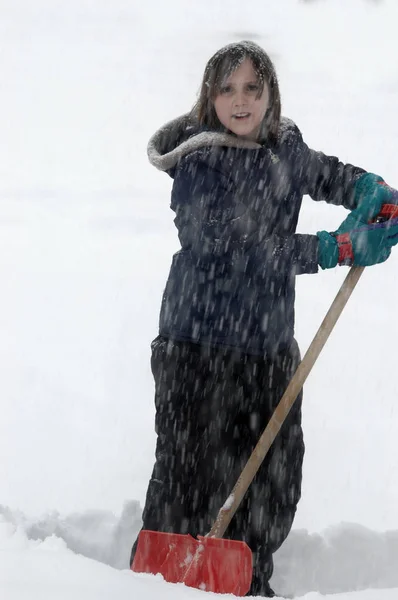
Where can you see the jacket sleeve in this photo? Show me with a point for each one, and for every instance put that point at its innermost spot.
(324, 177)
(219, 231)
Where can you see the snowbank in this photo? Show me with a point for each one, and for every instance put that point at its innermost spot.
(344, 558)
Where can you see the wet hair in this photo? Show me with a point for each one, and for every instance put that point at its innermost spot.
(220, 67)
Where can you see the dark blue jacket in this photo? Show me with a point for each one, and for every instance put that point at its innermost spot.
(232, 284)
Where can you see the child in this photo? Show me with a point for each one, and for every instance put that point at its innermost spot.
(226, 349)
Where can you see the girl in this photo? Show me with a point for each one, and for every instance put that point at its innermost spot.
(226, 349)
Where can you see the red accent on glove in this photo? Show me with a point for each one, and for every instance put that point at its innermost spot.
(388, 211)
(346, 254)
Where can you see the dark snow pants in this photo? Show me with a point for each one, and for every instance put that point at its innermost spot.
(212, 405)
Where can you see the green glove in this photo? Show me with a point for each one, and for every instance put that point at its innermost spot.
(370, 193)
(364, 246)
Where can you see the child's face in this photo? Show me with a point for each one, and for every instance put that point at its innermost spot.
(237, 105)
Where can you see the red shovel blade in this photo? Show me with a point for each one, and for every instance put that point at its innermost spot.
(210, 564)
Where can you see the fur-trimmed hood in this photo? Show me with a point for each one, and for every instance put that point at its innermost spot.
(183, 135)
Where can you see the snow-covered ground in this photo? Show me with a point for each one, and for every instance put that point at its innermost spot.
(86, 238)
(48, 570)
(344, 557)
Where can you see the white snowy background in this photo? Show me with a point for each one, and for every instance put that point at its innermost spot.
(86, 239)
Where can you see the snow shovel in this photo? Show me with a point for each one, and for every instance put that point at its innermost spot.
(212, 563)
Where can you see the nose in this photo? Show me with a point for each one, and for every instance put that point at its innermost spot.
(240, 99)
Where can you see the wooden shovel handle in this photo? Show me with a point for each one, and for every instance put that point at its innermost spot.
(282, 410)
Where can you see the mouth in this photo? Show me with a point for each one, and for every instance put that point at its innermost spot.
(241, 116)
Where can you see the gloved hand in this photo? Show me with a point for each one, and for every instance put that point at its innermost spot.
(370, 193)
(363, 246)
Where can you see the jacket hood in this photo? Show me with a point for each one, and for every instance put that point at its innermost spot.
(183, 135)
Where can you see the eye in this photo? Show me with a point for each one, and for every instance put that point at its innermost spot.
(253, 87)
(226, 89)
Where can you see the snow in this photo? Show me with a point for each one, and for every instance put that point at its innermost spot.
(86, 239)
(229, 502)
(86, 553)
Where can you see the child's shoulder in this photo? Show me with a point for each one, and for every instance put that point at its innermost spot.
(164, 146)
(288, 130)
